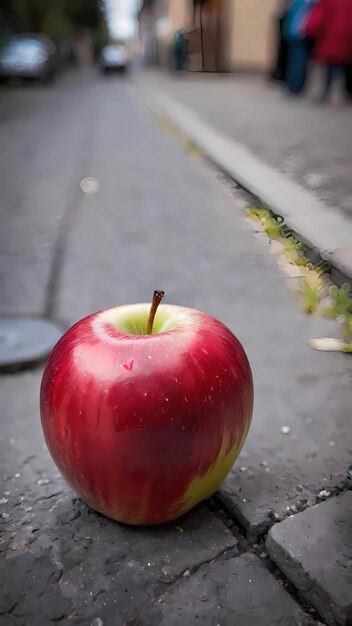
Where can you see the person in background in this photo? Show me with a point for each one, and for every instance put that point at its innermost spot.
(279, 70)
(348, 82)
(299, 47)
(330, 25)
(179, 51)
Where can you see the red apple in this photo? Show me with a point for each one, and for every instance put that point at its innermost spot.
(145, 426)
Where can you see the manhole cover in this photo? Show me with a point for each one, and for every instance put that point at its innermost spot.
(24, 340)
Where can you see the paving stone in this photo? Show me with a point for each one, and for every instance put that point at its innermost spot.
(78, 563)
(59, 558)
(314, 550)
(13, 573)
(236, 591)
(53, 604)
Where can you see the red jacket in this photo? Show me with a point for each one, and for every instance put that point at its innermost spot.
(330, 24)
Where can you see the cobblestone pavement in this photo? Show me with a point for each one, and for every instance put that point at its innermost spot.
(308, 142)
(162, 219)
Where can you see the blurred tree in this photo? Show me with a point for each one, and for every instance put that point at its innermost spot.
(56, 24)
(59, 19)
(6, 7)
(100, 37)
(31, 12)
(83, 12)
(9, 20)
(38, 15)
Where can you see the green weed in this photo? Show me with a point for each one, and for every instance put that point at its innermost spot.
(311, 292)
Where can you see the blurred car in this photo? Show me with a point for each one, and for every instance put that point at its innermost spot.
(28, 56)
(113, 58)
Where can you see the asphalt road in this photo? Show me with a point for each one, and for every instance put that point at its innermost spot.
(160, 219)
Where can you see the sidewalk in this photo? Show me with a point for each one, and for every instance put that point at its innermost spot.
(253, 131)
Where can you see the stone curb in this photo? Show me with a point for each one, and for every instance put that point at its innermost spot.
(319, 227)
(314, 550)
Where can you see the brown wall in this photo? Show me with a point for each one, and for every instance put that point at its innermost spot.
(241, 39)
(180, 13)
(250, 34)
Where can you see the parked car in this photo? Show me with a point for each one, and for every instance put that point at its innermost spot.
(113, 58)
(28, 56)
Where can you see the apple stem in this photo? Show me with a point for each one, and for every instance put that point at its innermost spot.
(157, 298)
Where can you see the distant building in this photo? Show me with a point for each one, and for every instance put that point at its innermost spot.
(222, 35)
